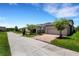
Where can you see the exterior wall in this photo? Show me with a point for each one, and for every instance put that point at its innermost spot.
(68, 30)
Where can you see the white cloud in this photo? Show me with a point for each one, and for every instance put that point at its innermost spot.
(51, 8)
(66, 10)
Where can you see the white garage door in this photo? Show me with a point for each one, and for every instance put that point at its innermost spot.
(52, 31)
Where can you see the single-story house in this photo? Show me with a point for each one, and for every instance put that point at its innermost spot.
(48, 28)
(2, 28)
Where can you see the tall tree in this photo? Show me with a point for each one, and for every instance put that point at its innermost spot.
(16, 28)
(61, 24)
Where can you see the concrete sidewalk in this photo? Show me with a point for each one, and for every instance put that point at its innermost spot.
(22, 46)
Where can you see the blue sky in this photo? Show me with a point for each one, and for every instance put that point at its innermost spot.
(12, 14)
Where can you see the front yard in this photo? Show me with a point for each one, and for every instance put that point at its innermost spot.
(70, 42)
(4, 46)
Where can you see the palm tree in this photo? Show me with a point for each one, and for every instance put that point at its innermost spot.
(61, 24)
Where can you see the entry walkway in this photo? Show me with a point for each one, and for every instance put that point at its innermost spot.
(22, 46)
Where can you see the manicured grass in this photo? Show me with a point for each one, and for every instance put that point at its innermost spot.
(70, 42)
(4, 45)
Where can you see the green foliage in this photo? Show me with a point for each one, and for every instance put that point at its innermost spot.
(77, 28)
(61, 24)
(75, 36)
(4, 45)
(32, 28)
(16, 28)
(10, 29)
(31, 35)
(70, 42)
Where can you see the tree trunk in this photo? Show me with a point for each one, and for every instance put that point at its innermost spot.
(60, 34)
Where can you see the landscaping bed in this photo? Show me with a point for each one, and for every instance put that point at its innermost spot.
(4, 45)
(70, 42)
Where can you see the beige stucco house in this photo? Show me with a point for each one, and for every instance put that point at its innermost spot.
(48, 28)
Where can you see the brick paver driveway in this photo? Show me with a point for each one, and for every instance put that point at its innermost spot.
(46, 37)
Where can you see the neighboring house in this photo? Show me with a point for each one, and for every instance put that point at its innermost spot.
(48, 28)
(2, 28)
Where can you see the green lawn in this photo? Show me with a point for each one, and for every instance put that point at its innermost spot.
(4, 46)
(70, 42)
